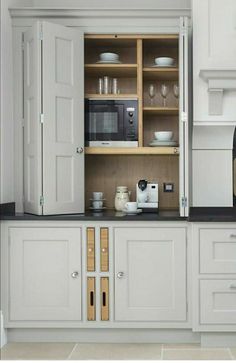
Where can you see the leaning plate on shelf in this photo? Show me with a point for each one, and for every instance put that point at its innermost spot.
(108, 62)
(159, 66)
(163, 143)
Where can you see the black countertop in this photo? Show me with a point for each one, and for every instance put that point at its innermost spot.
(212, 214)
(197, 214)
(108, 215)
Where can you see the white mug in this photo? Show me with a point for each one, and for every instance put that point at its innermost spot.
(97, 204)
(97, 195)
(131, 206)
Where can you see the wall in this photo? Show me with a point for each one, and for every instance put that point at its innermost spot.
(175, 4)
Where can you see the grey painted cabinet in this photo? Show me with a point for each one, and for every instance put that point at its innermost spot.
(150, 268)
(44, 274)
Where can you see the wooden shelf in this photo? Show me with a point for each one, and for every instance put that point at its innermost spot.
(111, 96)
(132, 151)
(108, 69)
(161, 73)
(161, 110)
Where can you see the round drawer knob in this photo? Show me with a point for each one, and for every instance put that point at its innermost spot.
(120, 275)
(104, 250)
(75, 275)
(90, 250)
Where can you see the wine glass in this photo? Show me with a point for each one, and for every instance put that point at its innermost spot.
(164, 93)
(152, 92)
(176, 92)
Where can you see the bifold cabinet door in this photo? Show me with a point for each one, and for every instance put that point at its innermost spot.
(150, 281)
(45, 274)
(54, 119)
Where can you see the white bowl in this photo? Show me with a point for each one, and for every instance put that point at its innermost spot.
(112, 57)
(164, 61)
(163, 135)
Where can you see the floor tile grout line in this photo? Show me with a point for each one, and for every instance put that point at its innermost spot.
(231, 354)
(73, 349)
(200, 348)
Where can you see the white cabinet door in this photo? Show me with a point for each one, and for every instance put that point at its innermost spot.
(214, 33)
(218, 302)
(217, 248)
(32, 127)
(54, 119)
(184, 117)
(150, 280)
(41, 284)
(63, 127)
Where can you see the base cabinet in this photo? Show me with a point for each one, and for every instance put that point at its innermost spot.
(44, 274)
(214, 277)
(150, 268)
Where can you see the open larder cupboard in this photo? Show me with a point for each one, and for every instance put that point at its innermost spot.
(59, 173)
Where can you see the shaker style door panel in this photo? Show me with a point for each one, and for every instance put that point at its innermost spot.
(32, 127)
(218, 251)
(63, 127)
(218, 302)
(150, 281)
(45, 274)
(215, 39)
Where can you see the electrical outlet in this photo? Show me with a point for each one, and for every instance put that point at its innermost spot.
(168, 187)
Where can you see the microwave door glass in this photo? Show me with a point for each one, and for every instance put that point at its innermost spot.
(106, 123)
(103, 123)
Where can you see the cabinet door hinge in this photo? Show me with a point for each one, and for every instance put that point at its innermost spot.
(23, 45)
(41, 118)
(23, 122)
(184, 117)
(41, 200)
(41, 34)
(184, 202)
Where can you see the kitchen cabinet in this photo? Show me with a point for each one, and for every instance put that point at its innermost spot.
(150, 274)
(53, 120)
(214, 277)
(44, 274)
(214, 54)
(56, 58)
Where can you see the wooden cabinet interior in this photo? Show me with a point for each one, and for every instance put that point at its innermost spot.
(91, 299)
(90, 249)
(104, 298)
(114, 170)
(125, 166)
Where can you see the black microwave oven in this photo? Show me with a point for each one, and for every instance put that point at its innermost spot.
(111, 123)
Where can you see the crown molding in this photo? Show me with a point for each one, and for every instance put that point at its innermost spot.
(38, 12)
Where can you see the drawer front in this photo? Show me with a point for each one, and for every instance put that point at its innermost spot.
(218, 301)
(90, 249)
(218, 251)
(91, 299)
(104, 249)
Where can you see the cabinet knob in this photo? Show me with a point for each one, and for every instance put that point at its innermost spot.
(79, 150)
(120, 275)
(90, 250)
(75, 275)
(232, 286)
(233, 235)
(104, 250)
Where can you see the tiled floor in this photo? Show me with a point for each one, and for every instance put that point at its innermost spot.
(70, 351)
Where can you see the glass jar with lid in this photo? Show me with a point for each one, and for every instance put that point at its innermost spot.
(121, 198)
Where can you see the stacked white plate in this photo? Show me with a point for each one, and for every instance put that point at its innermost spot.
(109, 58)
(163, 143)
